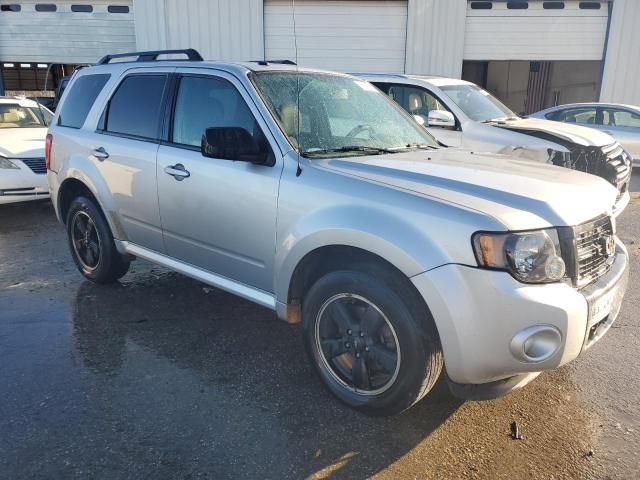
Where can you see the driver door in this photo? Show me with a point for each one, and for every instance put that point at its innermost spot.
(218, 215)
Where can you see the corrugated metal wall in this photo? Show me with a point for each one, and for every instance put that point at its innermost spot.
(64, 36)
(218, 29)
(343, 35)
(620, 82)
(535, 33)
(435, 37)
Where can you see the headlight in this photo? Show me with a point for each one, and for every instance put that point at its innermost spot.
(531, 257)
(6, 163)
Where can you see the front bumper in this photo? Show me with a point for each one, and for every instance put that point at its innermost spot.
(481, 314)
(22, 185)
(23, 195)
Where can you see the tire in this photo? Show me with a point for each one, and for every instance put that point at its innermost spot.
(360, 369)
(94, 253)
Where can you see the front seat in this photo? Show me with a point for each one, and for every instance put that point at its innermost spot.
(416, 107)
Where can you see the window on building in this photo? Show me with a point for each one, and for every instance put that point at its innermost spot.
(80, 99)
(134, 109)
(118, 9)
(553, 5)
(517, 5)
(45, 7)
(590, 5)
(11, 7)
(82, 8)
(481, 5)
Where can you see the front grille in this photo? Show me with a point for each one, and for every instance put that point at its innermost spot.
(618, 166)
(594, 250)
(37, 165)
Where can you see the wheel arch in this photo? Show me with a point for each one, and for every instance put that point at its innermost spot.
(77, 184)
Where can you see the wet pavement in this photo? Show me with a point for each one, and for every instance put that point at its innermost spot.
(160, 376)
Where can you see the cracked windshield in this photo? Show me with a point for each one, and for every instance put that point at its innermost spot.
(338, 116)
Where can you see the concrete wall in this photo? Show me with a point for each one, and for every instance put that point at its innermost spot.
(622, 66)
(218, 29)
(435, 37)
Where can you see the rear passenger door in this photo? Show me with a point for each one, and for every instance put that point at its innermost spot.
(125, 147)
(222, 216)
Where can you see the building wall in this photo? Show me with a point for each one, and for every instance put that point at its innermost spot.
(64, 36)
(622, 64)
(435, 37)
(218, 29)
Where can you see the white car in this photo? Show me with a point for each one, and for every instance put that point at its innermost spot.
(461, 114)
(23, 128)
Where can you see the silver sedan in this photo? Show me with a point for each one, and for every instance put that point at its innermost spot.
(622, 122)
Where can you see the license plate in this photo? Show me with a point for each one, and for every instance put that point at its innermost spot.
(607, 304)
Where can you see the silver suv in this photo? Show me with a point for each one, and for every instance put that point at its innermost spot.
(313, 194)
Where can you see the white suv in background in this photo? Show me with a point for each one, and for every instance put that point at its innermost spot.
(461, 114)
(23, 128)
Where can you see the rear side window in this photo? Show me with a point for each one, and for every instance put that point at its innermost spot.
(134, 110)
(80, 98)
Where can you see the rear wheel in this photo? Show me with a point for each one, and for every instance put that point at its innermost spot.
(374, 347)
(91, 243)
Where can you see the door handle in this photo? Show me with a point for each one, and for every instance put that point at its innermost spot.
(177, 171)
(100, 153)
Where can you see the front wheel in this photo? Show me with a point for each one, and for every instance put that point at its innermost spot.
(374, 348)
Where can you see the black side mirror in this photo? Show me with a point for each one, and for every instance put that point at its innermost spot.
(235, 143)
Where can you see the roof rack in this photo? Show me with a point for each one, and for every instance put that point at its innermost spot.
(267, 62)
(152, 55)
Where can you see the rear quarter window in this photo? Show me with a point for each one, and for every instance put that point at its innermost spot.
(80, 98)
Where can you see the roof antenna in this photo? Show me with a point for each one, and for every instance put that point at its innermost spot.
(295, 45)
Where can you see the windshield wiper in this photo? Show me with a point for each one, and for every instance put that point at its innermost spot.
(500, 119)
(349, 148)
(421, 146)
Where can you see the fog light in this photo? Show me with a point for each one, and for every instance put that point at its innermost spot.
(536, 344)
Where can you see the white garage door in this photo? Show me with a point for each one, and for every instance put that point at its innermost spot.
(539, 32)
(65, 31)
(349, 36)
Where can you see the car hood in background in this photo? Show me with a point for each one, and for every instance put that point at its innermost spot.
(22, 142)
(521, 194)
(588, 137)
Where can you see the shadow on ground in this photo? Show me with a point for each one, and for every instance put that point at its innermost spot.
(265, 409)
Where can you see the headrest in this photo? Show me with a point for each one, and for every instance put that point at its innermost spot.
(10, 117)
(289, 115)
(415, 102)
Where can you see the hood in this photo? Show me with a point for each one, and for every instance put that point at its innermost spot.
(588, 137)
(22, 142)
(520, 194)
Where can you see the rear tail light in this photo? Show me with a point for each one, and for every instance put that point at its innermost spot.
(47, 150)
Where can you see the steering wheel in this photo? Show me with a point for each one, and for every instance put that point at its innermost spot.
(359, 129)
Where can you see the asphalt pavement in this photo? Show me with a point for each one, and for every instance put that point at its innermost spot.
(160, 376)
